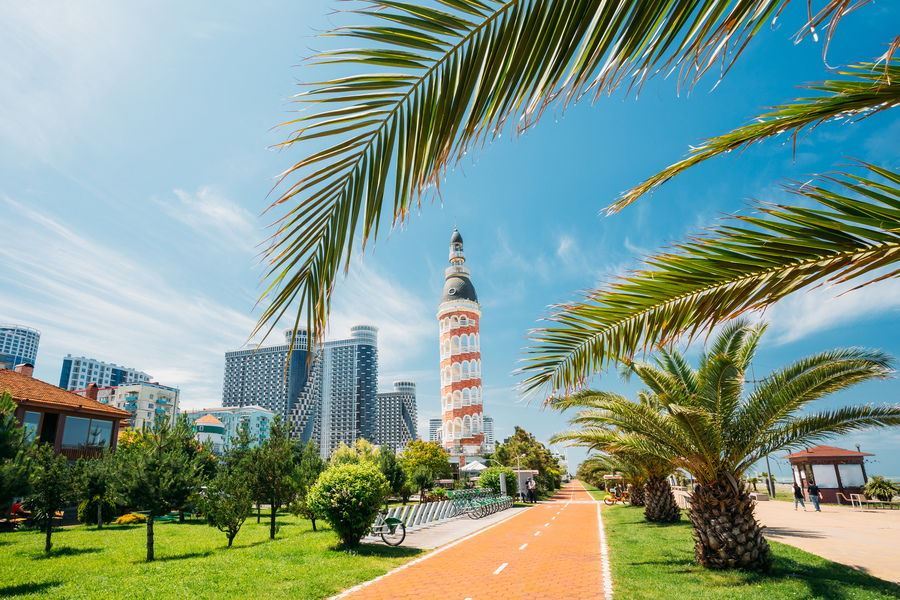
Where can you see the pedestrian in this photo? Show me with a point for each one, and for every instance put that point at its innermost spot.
(532, 490)
(798, 497)
(813, 491)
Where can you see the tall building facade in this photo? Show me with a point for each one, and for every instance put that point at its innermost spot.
(435, 429)
(489, 440)
(79, 371)
(277, 379)
(147, 402)
(349, 407)
(18, 345)
(459, 318)
(397, 416)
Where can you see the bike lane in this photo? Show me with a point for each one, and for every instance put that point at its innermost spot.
(552, 550)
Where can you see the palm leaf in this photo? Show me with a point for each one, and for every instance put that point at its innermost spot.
(852, 230)
(869, 88)
(450, 74)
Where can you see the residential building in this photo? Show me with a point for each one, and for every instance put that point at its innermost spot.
(349, 389)
(434, 429)
(79, 371)
(76, 426)
(489, 443)
(279, 379)
(397, 416)
(18, 345)
(459, 319)
(210, 430)
(145, 402)
(258, 420)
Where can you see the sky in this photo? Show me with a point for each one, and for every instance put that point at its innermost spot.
(136, 161)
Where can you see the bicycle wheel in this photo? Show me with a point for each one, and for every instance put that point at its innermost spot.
(609, 501)
(393, 535)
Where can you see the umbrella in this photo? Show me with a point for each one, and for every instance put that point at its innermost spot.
(473, 467)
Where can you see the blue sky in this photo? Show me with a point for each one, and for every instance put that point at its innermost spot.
(135, 163)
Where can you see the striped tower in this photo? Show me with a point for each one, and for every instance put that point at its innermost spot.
(459, 317)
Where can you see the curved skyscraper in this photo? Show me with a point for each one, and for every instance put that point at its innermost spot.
(459, 316)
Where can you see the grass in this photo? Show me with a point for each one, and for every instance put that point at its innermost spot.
(597, 493)
(648, 558)
(191, 562)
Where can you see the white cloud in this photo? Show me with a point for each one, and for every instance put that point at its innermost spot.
(807, 312)
(88, 298)
(215, 216)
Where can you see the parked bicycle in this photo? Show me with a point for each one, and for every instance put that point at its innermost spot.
(611, 499)
(391, 529)
(478, 503)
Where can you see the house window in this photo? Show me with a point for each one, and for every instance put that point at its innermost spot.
(80, 432)
(31, 424)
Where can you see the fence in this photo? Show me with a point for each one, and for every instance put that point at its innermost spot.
(419, 515)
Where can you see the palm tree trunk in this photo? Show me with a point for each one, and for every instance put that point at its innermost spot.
(638, 495)
(150, 538)
(726, 534)
(660, 501)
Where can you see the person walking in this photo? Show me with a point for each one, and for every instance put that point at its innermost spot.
(813, 491)
(532, 490)
(798, 497)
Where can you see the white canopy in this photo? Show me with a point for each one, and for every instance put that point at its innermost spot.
(473, 467)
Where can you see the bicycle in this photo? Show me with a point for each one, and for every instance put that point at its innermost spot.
(391, 529)
(624, 498)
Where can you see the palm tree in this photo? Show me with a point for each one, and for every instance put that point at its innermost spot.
(431, 80)
(708, 424)
(648, 473)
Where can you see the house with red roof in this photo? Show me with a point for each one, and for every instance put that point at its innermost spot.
(835, 470)
(77, 426)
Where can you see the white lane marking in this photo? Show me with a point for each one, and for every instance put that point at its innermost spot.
(500, 568)
(416, 561)
(553, 518)
(546, 524)
(523, 546)
(537, 533)
(604, 558)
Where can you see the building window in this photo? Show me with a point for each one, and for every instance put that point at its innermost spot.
(80, 432)
(31, 424)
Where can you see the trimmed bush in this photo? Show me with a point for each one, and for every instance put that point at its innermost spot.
(490, 478)
(348, 496)
(131, 519)
(87, 511)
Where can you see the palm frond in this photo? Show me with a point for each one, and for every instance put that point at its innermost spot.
(431, 80)
(745, 264)
(868, 88)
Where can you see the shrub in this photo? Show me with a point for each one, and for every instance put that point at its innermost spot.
(228, 502)
(131, 519)
(87, 511)
(880, 488)
(437, 494)
(348, 496)
(490, 478)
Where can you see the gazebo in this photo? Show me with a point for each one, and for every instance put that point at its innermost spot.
(834, 470)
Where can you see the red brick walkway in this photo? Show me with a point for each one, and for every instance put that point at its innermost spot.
(549, 551)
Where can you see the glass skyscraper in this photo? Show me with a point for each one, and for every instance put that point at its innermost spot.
(18, 345)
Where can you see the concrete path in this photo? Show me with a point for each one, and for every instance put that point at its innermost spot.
(868, 540)
(445, 532)
(552, 550)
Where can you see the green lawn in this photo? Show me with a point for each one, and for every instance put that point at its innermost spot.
(192, 562)
(597, 493)
(657, 561)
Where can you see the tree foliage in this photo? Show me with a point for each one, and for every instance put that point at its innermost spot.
(348, 496)
(424, 462)
(490, 479)
(361, 451)
(227, 501)
(96, 488)
(392, 470)
(309, 466)
(13, 456)
(274, 471)
(522, 448)
(51, 487)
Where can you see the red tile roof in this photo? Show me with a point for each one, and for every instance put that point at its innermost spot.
(28, 390)
(827, 452)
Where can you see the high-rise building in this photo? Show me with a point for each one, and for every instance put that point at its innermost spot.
(79, 371)
(276, 379)
(397, 416)
(258, 420)
(147, 402)
(459, 317)
(18, 345)
(489, 434)
(434, 430)
(349, 389)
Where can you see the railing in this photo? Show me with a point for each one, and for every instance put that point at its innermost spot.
(415, 516)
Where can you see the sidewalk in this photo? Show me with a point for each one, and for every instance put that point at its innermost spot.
(863, 539)
(551, 550)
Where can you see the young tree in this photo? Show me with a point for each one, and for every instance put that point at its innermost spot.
(239, 447)
(51, 482)
(309, 466)
(348, 496)
(523, 449)
(361, 451)
(155, 471)
(274, 471)
(228, 501)
(392, 471)
(423, 462)
(200, 456)
(95, 487)
(13, 456)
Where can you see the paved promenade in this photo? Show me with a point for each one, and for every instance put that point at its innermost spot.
(864, 539)
(552, 550)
